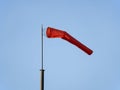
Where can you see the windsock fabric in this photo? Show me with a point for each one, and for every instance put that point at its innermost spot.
(55, 33)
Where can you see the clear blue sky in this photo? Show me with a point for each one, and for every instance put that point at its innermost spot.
(96, 23)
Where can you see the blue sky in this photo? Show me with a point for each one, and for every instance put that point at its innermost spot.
(93, 22)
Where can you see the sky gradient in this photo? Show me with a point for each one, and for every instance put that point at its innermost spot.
(96, 23)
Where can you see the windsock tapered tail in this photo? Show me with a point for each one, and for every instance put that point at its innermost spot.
(56, 33)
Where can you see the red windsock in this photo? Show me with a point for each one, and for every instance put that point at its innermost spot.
(55, 33)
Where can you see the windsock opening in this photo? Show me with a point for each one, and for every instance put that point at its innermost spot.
(54, 33)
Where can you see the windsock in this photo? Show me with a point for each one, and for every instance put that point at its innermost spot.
(56, 33)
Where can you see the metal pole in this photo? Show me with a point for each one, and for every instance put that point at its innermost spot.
(41, 46)
(42, 70)
(42, 80)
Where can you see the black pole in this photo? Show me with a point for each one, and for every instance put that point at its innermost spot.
(42, 70)
(42, 79)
